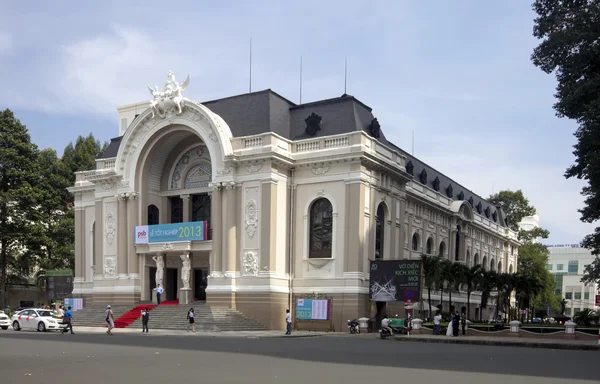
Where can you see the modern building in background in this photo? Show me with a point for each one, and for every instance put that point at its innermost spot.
(567, 263)
(530, 222)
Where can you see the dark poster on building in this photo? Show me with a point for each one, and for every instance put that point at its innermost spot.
(58, 287)
(395, 280)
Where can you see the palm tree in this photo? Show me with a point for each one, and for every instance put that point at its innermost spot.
(458, 278)
(486, 284)
(430, 274)
(445, 280)
(470, 279)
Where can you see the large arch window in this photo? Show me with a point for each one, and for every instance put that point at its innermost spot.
(484, 263)
(442, 249)
(321, 229)
(415, 241)
(429, 246)
(499, 267)
(379, 232)
(492, 265)
(457, 250)
(153, 215)
(476, 259)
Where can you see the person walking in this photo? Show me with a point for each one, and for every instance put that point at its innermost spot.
(145, 318)
(68, 319)
(159, 292)
(288, 322)
(437, 319)
(192, 323)
(110, 320)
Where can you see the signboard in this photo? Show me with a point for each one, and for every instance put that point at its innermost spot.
(312, 309)
(395, 280)
(58, 287)
(59, 272)
(563, 246)
(597, 300)
(171, 233)
(75, 304)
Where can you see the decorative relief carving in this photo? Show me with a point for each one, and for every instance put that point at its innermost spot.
(93, 268)
(185, 270)
(107, 185)
(168, 247)
(225, 171)
(110, 267)
(253, 168)
(319, 264)
(196, 153)
(250, 264)
(110, 230)
(319, 171)
(251, 218)
(321, 193)
(160, 267)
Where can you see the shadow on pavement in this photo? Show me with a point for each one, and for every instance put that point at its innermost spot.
(362, 351)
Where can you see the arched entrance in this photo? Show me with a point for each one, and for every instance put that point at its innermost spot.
(172, 171)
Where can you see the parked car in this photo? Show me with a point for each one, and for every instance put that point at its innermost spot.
(4, 321)
(39, 319)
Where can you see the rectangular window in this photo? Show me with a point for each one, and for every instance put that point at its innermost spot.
(176, 209)
(559, 267)
(568, 295)
(586, 296)
(549, 267)
(573, 266)
(577, 295)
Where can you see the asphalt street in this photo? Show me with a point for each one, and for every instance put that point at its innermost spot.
(136, 358)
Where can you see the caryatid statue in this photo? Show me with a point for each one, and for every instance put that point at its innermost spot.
(160, 266)
(185, 270)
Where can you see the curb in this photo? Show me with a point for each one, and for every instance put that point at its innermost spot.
(580, 347)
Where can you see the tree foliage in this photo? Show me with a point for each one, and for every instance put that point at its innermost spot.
(19, 195)
(570, 31)
(516, 207)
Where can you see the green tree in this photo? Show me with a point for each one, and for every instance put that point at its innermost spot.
(516, 206)
(19, 196)
(487, 281)
(569, 49)
(533, 275)
(470, 279)
(82, 155)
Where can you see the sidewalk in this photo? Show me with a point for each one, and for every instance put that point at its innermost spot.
(170, 332)
(503, 341)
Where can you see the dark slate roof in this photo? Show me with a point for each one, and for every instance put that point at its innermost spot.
(266, 111)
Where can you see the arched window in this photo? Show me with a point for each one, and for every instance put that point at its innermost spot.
(416, 242)
(153, 215)
(379, 231)
(321, 229)
(429, 246)
(468, 258)
(442, 249)
(484, 263)
(499, 267)
(476, 259)
(510, 269)
(492, 265)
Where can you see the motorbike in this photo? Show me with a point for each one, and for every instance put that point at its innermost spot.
(353, 326)
(398, 330)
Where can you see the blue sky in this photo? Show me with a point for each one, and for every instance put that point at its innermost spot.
(457, 73)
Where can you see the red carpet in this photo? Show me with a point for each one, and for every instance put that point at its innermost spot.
(130, 316)
(169, 302)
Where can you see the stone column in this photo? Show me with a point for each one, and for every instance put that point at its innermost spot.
(80, 232)
(99, 239)
(133, 265)
(402, 236)
(392, 242)
(268, 226)
(122, 235)
(187, 210)
(230, 215)
(216, 212)
(354, 227)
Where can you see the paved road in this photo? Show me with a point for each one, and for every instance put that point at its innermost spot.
(131, 359)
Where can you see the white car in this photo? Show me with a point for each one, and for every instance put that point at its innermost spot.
(39, 319)
(4, 321)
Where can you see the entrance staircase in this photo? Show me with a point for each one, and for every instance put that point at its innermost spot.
(168, 315)
(206, 318)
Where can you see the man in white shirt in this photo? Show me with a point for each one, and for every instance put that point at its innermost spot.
(159, 291)
(436, 323)
(288, 322)
(385, 324)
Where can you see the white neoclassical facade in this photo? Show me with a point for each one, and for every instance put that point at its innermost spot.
(279, 200)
